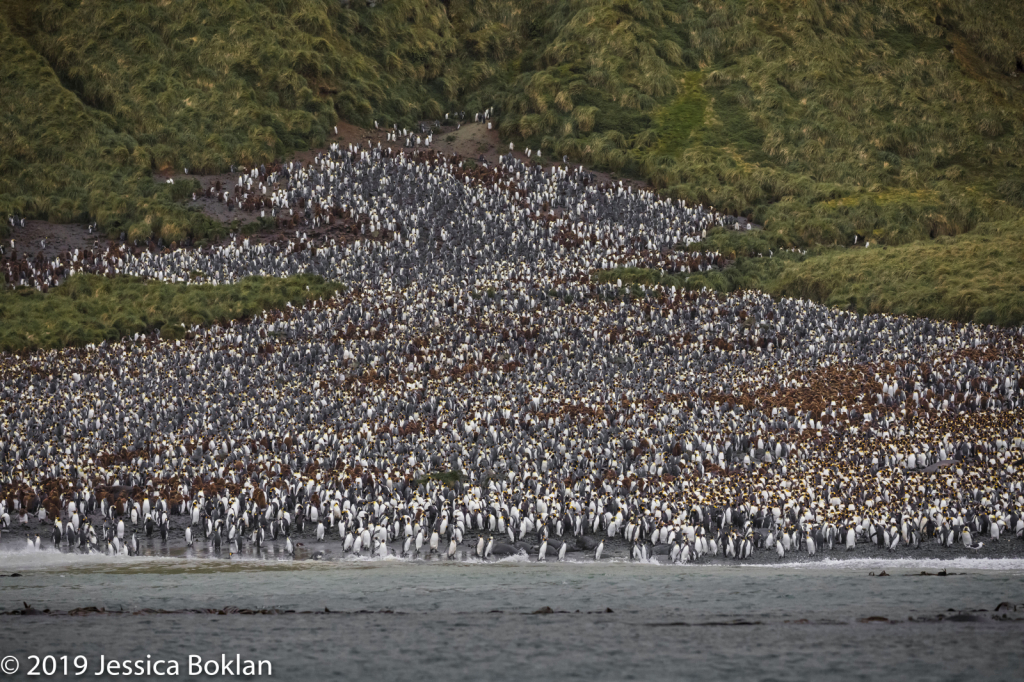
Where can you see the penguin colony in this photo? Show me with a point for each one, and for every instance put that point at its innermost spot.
(473, 392)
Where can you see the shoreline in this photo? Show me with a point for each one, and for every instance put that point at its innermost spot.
(13, 540)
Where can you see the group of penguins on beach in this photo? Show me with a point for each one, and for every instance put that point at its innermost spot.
(474, 390)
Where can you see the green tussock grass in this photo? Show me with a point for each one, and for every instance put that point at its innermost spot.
(678, 120)
(829, 122)
(447, 478)
(64, 161)
(973, 278)
(92, 309)
(745, 273)
(645, 276)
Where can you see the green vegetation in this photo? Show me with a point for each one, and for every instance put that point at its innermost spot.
(91, 309)
(645, 276)
(899, 122)
(972, 278)
(96, 95)
(447, 478)
(64, 161)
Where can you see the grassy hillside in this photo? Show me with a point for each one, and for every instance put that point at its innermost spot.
(92, 309)
(975, 277)
(898, 122)
(65, 161)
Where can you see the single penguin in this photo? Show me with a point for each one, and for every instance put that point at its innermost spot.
(965, 537)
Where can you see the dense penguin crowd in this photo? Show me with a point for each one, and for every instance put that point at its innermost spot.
(473, 391)
(406, 211)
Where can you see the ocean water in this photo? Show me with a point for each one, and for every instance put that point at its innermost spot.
(397, 619)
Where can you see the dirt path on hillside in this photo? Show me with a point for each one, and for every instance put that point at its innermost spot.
(472, 141)
(50, 238)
